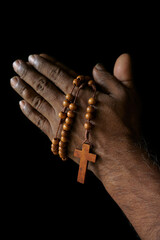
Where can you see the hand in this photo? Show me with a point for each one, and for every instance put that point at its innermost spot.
(43, 83)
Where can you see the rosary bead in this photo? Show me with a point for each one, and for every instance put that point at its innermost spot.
(64, 133)
(91, 101)
(90, 83)
(62, 155)
(66, 103)
(90, 109)
(76, 82)
(72, 106)
(62, 144)
(64, 139)
(87, 125)
(55, 152)
(71, 114)
(66, 127)
(89, 116)
(62, 149)
(54, 147)
(81, 78)
(69, 120)
(55, 141)
(62, 115)
(69, 97)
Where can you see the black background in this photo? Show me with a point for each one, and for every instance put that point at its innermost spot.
(40, 193)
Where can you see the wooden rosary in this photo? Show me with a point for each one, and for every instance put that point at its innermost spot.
(59, 145)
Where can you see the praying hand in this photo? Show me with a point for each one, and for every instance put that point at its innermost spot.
(124, 168)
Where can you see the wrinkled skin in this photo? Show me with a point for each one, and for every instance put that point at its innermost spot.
(43, 82)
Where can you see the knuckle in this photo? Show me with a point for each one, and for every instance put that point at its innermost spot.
(41, 122)
(54, 73)
(23, 69)
(40, 85)
(37, 102)
(23, 73)
(28, 111)
(25, 93)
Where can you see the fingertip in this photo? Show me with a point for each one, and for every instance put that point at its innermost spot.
(123, 69)
(14, 81)
(16, 64)
(22, 104)
(124, 60)
(99, 67)
(98, 70)
(32, 58)
(106, 82)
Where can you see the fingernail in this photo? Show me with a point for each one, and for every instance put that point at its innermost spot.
(14, 82)
(22, 104)
(100, 66)
(16, 64)
(31, 59)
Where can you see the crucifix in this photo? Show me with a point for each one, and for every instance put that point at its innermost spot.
(84, 156)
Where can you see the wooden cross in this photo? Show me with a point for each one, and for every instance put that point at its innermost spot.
(84, 156)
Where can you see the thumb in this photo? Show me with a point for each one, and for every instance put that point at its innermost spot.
(123, 70)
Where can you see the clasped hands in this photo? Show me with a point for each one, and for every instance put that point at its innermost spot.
(43, 82)
(123, 166)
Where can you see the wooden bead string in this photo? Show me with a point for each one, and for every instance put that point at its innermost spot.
(90, 112)
(56, 143)
(59, 145)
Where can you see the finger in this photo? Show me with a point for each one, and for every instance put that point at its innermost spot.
(59, 64)
(106, 81)
(53, 72)
(34, 99)
(35, 117)
(123, 70)
(39, 83)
